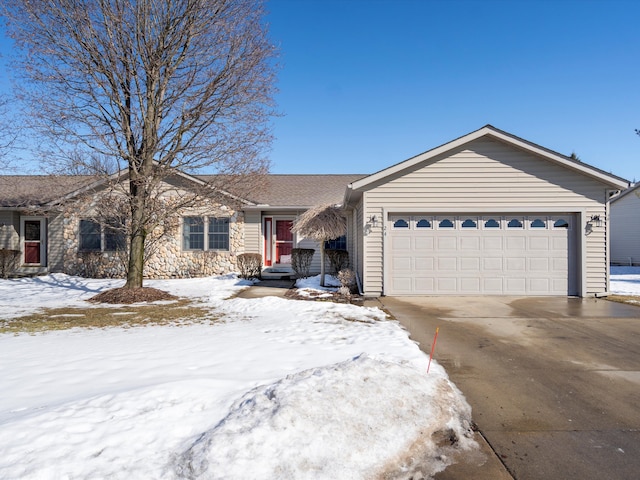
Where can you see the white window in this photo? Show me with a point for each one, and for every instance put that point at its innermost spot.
(216, 230)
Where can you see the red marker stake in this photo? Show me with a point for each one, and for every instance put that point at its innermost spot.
(433, 347)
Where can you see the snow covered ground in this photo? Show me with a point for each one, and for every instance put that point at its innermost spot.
(277, 389)
(625, 280)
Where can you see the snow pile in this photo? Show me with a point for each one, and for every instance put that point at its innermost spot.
(345, 430)
(310, 286)
(277, 389)
(625, 280)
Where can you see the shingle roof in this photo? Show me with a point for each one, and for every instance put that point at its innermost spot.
(301, 190)
(279, 190)
(34, 190)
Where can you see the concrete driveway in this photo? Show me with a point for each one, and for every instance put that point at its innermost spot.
(554, 382)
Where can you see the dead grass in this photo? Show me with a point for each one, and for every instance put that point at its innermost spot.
(628, 299)
(179, 312)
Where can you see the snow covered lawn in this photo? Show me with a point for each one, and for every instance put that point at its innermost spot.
(625, 280)
(276, 389)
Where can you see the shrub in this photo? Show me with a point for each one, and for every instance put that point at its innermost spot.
(347, 279)
(8, 261)
(250, 265)
(338, 259)
(301, 261)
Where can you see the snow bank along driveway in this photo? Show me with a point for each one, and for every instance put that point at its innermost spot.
(278, 389)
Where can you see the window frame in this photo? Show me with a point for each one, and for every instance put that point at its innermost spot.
(209, 240)
(109, 238)
(224, 234)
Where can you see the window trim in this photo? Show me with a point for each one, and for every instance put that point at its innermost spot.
(102, 234)
(207, 234)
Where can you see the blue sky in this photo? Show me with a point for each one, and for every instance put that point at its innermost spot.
(365, 84)
(368, 83)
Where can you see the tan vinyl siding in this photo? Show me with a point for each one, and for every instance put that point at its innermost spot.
(253, 232)
(486, 176)
(315, 261)
(625, 229)
(55, 243)
(9, 230)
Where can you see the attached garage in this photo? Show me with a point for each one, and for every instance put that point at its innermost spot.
(493, 254)
(486, 214)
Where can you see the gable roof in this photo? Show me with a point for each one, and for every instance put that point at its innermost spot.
(497, 134)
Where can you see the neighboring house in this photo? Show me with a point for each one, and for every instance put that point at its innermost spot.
(625, 227)
(487, 213)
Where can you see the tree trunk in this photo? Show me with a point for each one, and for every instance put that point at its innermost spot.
(322, 263)
(138, 232)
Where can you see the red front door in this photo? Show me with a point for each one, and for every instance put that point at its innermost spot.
(32, 242)
(284, 241)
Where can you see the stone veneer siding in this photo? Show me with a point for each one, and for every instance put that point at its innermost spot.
(168, 259)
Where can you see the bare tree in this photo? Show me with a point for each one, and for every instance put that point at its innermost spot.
(8, 133)
(154, 85)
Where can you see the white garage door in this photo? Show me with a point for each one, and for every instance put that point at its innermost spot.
(470, 254)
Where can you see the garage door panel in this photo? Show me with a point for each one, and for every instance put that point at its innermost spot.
(493, 285)
(492, 243)
(447, 264)
(403, 285)
(470, 285)
(424, 264)
(516, 285)
(497, 261)
(492, 264)
(470, 243)
(539, 285)
(447, 243)
(424, 284)
(471, 264)
(559, 242)
(515, 244)
(423, 243)
(399, 264)
(400, 243)
(539, 243)
(515, 264)
(560, 264)
(539, 264)
(447, 285)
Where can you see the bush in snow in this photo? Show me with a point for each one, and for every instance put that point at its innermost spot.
(301, 261)
(339, 259)
(8, 261)
(250, 265)
(347, 279)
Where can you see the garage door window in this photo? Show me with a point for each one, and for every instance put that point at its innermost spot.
(561, 223)
(492, 223)
(401, 223)
(423, 223)
(514, 223)
(469, 223)
(445, 223)
(538, 223)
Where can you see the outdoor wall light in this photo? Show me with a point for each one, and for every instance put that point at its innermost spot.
(596, 221)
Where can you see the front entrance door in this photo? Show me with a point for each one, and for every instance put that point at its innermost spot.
(34, 241)
(284, 241)
(278, 241)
